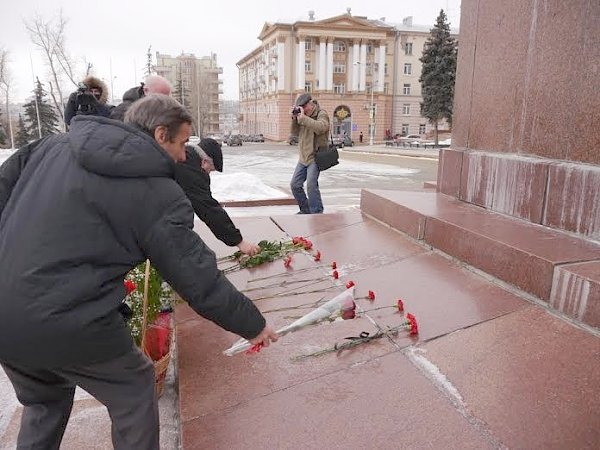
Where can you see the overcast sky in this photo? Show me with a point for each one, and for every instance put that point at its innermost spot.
(118, 32)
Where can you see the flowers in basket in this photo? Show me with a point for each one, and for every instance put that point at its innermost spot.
(158, 310)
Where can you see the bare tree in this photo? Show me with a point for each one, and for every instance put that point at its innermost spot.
(49, 37)
(5, 82)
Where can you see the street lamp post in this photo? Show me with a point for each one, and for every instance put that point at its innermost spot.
(372, 115)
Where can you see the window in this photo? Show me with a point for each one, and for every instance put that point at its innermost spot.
(339, 46)
(369, 69)
(369, 48)
(407, 68)
(386, 87)
(385, 69)
(307, 66)
(406, 109)
(368, 87)
(408, 48)
(422, 128)
(308, 86)
(405, 129)
(339, 68)
(406, 89)
(339, 88)
(308, 44)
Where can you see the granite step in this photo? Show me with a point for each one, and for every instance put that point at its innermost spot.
(544, 262)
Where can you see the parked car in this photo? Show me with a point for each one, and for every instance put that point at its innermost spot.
(259, 138)
(293, 139)
(233, 140)
(338, 141)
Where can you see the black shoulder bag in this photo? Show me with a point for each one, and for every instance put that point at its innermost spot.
(327, 157)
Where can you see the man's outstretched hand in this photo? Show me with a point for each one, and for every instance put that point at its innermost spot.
(248, 248)
(266, 336)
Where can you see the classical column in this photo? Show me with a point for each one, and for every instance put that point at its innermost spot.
(381, 74)
(300, 64)
(355, 65)
(363, 67)
(322, 63)
(330, 65)
(281, 64)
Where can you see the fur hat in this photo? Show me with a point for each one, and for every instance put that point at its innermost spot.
(93, 82)
(213, 149)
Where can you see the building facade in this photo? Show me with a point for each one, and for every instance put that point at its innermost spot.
(197, 85)
(365, 73)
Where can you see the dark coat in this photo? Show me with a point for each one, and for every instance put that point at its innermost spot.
(195, 182)
(83, 209)
(130, 96)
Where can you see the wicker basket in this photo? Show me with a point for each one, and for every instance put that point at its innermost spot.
(161, 365)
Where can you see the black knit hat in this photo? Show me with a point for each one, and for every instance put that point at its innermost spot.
(213, 149)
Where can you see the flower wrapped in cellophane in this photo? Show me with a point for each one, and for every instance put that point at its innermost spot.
(332, 308)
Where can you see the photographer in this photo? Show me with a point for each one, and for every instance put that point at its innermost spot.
(311, 124)
(89, 99)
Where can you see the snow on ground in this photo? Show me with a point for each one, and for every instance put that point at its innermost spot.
(241, 186)
(225, 187)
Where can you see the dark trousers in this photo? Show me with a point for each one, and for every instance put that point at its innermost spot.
(125, 385)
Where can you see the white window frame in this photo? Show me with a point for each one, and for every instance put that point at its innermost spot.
(406, 109)
(307, 66)
(308, 45)
(308, 86)
(339, 67)
(422, 128)
(339, 88)
(405, 129)
(406, 89)
(408, 48)
(339, 46)
(407, 69)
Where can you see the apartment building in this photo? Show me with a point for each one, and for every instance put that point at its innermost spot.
(197, 85)
(363, 72)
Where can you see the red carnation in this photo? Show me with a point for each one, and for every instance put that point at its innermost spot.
(371, 295)
(412, 321)
(287, 261)
(348, 314)
(307, 245)
(335, 274)
(334, 265)
(297, 240)
(400, 305)
(129, 286)
(349, 284)
(318, 256)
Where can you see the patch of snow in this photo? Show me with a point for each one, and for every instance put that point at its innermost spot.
(241, 186)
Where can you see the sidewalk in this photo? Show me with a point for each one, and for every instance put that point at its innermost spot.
(388, 150)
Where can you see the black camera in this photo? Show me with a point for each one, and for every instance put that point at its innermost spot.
(85, 99)
(296, 110)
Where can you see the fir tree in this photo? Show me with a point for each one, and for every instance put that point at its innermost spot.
(48, 117)
(181, 92)
(23, 137)
(438, 74)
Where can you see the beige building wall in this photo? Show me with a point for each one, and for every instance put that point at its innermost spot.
(200, 78)
(339, 60)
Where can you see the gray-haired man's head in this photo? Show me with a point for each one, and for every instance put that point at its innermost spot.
(165, 119)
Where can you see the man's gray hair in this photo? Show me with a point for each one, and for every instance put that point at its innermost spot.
(156, 110)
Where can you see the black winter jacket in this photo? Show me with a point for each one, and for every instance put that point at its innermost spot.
(79, 210)
(195, 182)
(130, 96)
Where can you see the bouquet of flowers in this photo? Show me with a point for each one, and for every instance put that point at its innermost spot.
(334, 307)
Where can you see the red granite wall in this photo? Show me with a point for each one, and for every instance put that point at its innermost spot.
(528, 78)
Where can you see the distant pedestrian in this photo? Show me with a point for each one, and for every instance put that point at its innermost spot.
(360, 137)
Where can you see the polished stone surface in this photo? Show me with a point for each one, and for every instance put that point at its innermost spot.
(449, 171)
(383, 389)
(510, 249)
(520, 94)
(530, 377)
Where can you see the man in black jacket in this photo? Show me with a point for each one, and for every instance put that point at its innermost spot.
(79, 210)
(193, 177)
